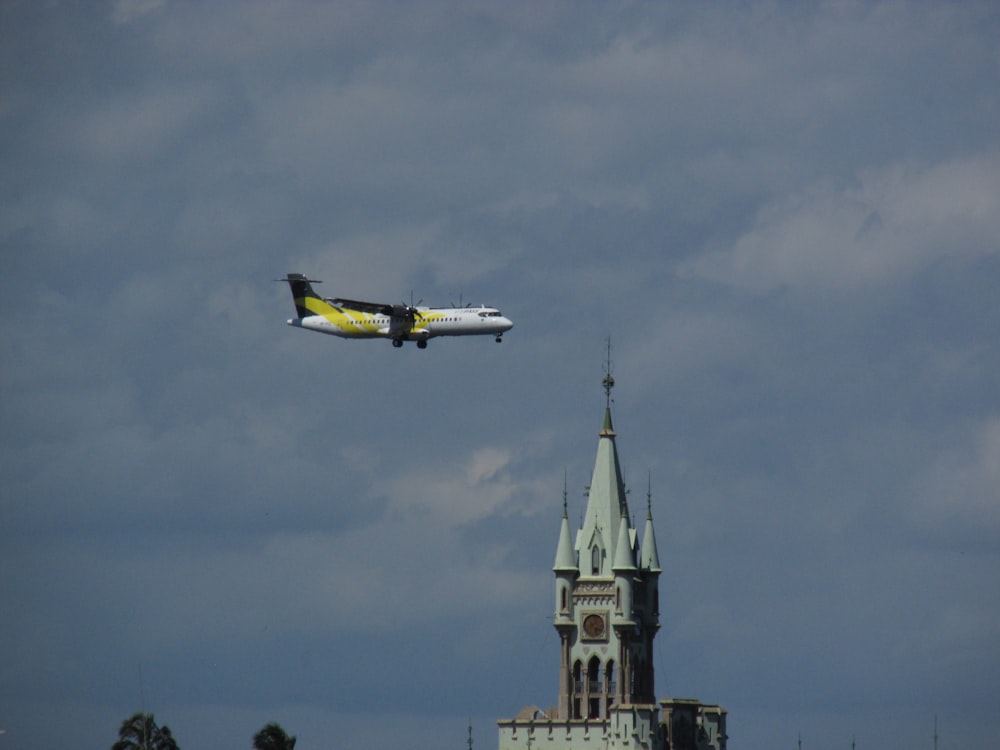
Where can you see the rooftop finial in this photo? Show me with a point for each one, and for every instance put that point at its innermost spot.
(609, 381)
(649, 495)
(565, 502)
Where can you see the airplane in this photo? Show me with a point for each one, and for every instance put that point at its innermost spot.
(352, 319)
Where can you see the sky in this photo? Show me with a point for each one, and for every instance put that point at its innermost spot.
(785, 217)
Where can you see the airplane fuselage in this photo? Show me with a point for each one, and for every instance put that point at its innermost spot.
(355, 319)
(428, 322)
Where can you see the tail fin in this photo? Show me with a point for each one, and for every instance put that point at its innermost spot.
(301, 291)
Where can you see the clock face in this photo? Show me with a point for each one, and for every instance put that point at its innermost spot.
(593, 626)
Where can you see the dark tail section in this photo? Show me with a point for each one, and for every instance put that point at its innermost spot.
(301, 291)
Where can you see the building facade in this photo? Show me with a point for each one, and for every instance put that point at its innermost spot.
(607, 613)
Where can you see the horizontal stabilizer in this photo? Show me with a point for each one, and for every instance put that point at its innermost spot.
(301, 287)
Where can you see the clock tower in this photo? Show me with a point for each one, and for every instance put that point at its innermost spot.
(607, 613)
(607, 601)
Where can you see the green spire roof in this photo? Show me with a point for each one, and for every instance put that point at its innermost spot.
(650, 557)
(606, 503)
(608, 428)
(624, 559)
(565, 558)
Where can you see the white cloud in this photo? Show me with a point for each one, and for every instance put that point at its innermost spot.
(376, 264)
(126, 12)
(889, 226)
(457, 490)
(135, 127)
(957, 496)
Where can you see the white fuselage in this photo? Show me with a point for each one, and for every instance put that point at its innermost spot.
(428, 322)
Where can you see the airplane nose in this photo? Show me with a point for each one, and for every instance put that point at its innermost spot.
(507, 324)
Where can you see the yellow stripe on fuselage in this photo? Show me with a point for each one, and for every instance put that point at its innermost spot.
(355, 323)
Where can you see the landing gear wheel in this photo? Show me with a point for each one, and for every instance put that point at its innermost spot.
(499, 340)
(397, 343)
(421, 344)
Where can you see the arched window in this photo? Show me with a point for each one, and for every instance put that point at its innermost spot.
(609, 675)
(594, 674)
(595, 560)
(562, 600)
(577, 688)
(594, 686)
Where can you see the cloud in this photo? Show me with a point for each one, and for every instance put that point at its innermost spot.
(957, 496)
(138, 127)
(126, 12)
(784, 217)
(485, 483)
(888, 227)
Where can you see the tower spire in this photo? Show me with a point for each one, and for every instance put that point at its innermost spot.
(565, 556)
(650, 560)
(649, 495)
(565, 502)
(609, 380)
(608, 383)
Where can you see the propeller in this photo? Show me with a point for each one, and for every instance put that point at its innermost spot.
(407, 312)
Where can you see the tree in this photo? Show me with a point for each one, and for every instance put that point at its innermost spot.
(140, 732)
(273, 737)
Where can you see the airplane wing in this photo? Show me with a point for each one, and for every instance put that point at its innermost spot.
(401, 312)
(374, 308)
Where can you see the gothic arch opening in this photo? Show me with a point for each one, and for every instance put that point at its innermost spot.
(577, 688)
(611, 685)
(594, 688)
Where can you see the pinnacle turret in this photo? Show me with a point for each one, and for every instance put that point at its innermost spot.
(650, 557)
(565, 557)
(624, 557)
